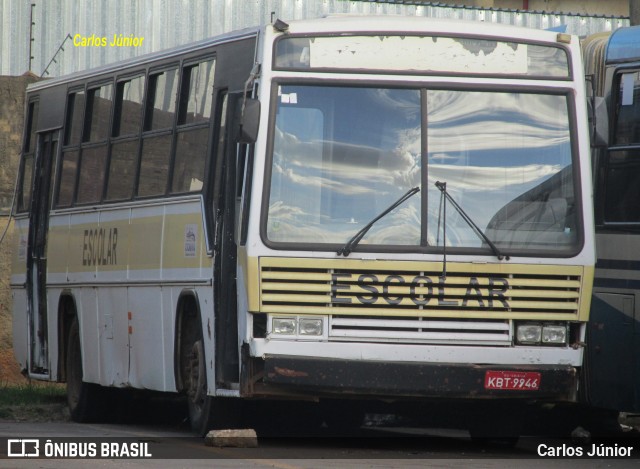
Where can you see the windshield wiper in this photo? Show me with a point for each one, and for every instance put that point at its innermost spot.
(442, 186)
(353, 242)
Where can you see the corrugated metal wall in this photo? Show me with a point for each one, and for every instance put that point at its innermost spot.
(166, 23)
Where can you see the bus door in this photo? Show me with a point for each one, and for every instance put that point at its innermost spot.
(227, 357)
(37, 253)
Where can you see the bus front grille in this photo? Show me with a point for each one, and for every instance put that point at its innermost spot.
(417, 291)
(421, 330)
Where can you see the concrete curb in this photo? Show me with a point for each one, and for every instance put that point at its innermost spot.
(245, 438)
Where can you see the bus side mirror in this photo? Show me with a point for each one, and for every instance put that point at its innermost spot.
(598, 122)
(249, 121)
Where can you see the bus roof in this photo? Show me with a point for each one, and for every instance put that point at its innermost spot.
(624, 45)
(418, 24)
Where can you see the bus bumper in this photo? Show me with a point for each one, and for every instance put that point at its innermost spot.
(322, 376)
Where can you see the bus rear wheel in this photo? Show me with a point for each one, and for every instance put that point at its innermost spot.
(83, 398)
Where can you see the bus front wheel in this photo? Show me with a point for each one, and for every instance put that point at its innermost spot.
(198, 402)
(205, 412)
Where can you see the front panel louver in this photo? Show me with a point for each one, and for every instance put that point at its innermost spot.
(417, 290)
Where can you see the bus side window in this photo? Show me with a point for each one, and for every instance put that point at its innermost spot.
(98, 112)
(196, 93)
(220, 147)
(127, 122)
(247, 154)
(122, 170)
(71, 148)
(128, 110)
(192, 141)
(68, 173)
(75, 114)
(25, 183)
(622, 187)
(628, 109)
(191, 156)
(93, 158)
(158, 133)
(26, 175)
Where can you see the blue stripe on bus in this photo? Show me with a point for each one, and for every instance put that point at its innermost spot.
(622, 283)
(620, 264)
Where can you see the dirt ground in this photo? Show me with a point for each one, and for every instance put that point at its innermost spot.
(9, 369)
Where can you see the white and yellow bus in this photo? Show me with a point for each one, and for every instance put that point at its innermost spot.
(371, 208)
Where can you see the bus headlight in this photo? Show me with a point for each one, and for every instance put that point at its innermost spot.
(541, 334)
(310, 326)
(528, 333)
(554, 334)
(298, 327)
(284, 326)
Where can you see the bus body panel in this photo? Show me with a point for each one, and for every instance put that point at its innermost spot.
(20, 329)
(127, 319)
(114, 345)
(614, 325)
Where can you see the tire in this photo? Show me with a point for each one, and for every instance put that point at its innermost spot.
(195, 378)
(83, 399)
(205, 412)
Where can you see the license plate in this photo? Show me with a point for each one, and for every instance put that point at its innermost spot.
(512, 380)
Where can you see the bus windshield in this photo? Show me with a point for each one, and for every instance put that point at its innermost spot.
(342, 154)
